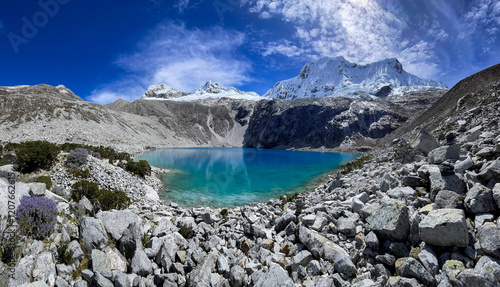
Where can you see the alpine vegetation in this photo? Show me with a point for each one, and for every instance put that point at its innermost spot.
(36, 216)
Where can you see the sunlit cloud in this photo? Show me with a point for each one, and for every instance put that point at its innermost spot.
(180, 57)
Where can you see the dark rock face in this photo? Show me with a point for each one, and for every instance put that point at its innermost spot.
(319, 123)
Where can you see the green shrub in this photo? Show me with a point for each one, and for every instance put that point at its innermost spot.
(12, 146)
(108, 199)
(1, 151)
(64, 255)
(84, 188)
(224, 212)
(82, 173)
(355, 164)
(140, 168)
(46, 180)
(186, 231)
(36, 155)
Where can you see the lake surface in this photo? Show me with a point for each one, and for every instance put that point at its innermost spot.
(219, 177)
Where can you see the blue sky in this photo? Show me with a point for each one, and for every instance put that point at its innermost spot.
(104, 50)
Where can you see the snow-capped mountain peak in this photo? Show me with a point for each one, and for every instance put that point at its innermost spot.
(332, 77)
(210, 90)
(162, 91)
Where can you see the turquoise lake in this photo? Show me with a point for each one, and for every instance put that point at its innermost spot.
(219, 177)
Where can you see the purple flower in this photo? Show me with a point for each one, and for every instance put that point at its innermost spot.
(36, 216)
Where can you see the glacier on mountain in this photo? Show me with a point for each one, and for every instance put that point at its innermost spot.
(210, 90)
(334, 77)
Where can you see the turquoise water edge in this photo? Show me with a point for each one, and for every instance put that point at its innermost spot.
(218, 177)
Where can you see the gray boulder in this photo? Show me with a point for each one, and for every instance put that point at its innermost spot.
(283, 221)
(496, 194)
(301, 259)
(448, 199)
(387, 182)
(444, 227)
(222, 265)
(102, 281)
(490, 171)
(346, 226)
(237, 276)
(389, 220)
(422, 141)
(275, 276)
(92, 234)
(321, 247)
(487, 239)
(438, 182)
(441, 154)
(479, 199)
(429, 260)
(488, 264)
(109, 260)
(199, 276)
(44, 267)
(397, 281)
(471, 277)
(410, 267)
(117, 221)
(37, 189)
(141, 265)
(461, 166)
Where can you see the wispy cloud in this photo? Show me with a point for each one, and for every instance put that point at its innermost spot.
(363, 31)
(181, 5)
(180, 57)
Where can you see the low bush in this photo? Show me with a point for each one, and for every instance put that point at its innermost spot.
(36, 155)
(46, 180)
(13, 146)
(186, 231)
(96, 154)
(116, 199)
(84, 188)
(82, 173)
(76, 158)
(355, 164)
(140, 168)
(36, 216)
(64, 255)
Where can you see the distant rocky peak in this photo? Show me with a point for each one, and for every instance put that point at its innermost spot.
(213, 88)
(163, 91)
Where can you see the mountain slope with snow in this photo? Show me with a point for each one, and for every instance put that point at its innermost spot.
(334, 77)
(210, 90)
(162, 91)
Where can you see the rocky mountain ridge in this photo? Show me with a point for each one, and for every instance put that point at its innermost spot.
(334, 77)
(210, 90)
(52, 113)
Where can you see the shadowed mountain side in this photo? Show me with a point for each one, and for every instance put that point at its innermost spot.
(472, 94)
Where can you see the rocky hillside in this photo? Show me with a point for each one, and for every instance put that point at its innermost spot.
(54, 113)
(334, 77)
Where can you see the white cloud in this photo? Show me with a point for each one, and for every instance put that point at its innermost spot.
(181, 5)
(360, 30)
(283, 47)
(180, 57)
